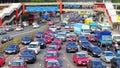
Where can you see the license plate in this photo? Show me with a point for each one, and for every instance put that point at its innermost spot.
(84, 63)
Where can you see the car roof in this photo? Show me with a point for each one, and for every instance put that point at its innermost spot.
(52, 60)
(18, 60)
(34, 42)
(108, 51)
(81, 53)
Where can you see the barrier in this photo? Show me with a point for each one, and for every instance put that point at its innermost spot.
(18, 40)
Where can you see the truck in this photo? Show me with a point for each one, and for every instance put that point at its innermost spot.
(85, 29)
(116, 38)
(103, 38)
(93, 26)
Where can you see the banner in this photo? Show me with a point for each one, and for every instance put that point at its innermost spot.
(118, 19)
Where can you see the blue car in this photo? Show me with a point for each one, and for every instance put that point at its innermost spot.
(26, 40)
(71, 47)
(96, 64)
(42, 43)
(2, 32)
(94, 51)
(84, 45)
(81, 38)
(28, 56)
(12, 49)
(39, 34)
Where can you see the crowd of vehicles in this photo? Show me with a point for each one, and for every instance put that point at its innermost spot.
(87, 43)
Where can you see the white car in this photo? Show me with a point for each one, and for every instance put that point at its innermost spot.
(34, 46)
(35, 25)
(25, 23)
(107, 56)
(116, 38)
(19, 28)
(53, 28)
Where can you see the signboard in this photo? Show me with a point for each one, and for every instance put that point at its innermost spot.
(118, 19)
(42, 8)
(77, 28)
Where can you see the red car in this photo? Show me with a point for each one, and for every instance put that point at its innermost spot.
(18, 64)
(51, 55)
(50, 23)
(57, 43)
(53, 48)
(53, 64)
(71, 38)
(48, 40)
(2, 59)
(51, 36)
(58, 40)
(81, 58)
(47, 32)
(91, 38)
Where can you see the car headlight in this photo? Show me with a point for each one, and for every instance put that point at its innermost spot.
(42, 43)
(14, 50)
(94, 53)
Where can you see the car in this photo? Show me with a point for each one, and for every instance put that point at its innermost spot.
(19, 28)
(81, 58)
(35, 25)
(26, 40)
(34, 46)
(48, 32)
(52, 48)
(53, 28)
(25, 23)
(28, 56)
(12, 49)
(39, 34)
(6, 38)
(50, 23)
(107, 56)
(62, 36)
(58, 44)
(51, 55)
(91, 38)
(50, 36)
(67, 26)
(71, 38)
(96, 64)
(2, 32)
(18, 64)
(42, 43)
(48, 40)
(53, 64)
(9, 28)
(2, 60)
(84, 45)
(94, 51)
(115, 62)
(58, 40)
(82, 38)
(71, 47)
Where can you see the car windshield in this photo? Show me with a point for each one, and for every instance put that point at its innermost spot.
(54, 43)
(71, 43)
(109, 54)
(96, 49)
(81, 55)
(52, 48)
(17, 64)
(51, 54)
(11, 46)
(97, 64)
(27, 52)
(53, 64)
(5, 37)
(26, 39)
(32, 46)
(116, 37)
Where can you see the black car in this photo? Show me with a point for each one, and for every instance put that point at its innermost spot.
(2, 32)
(96, 64)
(26, 40)
(42, 43)
(71, 47)
(28, 56)
(94, 51)
(115, 62)
(5, 39)
(84, 44)
(12, 49)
